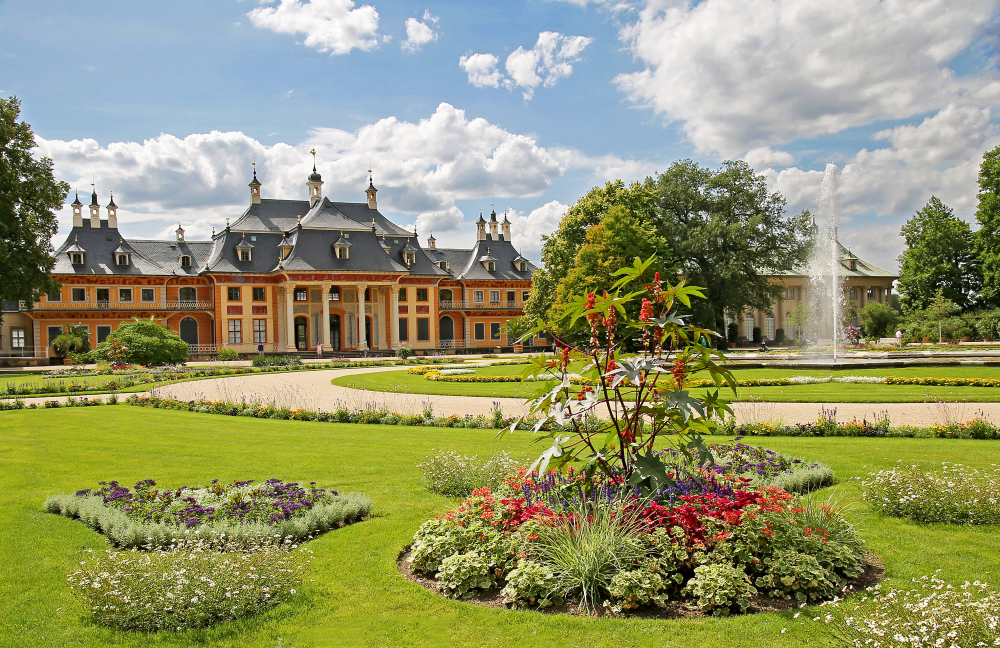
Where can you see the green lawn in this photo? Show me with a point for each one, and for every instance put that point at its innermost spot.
(354, 595)
(400, 381)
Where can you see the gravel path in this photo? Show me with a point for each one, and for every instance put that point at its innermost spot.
(313, 390)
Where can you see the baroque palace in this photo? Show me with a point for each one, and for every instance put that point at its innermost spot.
(288, 275)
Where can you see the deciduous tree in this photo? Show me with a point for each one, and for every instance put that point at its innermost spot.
(30, 196)
(988, 215)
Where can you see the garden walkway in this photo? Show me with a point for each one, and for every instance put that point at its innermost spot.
(313, 390)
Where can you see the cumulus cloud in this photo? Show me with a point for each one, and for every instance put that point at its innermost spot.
(421, 168)
(743, 74)
(764, 156)
(482, 70)
(419, 33)
(881, 187)
(527, 230)
(550, 59)
(334, 26)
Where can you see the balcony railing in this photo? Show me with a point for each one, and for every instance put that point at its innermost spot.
(467, 305)
(23, 352)
(11, 306)
(120, 305)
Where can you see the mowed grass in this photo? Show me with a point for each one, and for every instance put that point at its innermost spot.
(354, 595)
(400, 381)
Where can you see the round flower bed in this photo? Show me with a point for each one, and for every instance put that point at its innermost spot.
(703, 546)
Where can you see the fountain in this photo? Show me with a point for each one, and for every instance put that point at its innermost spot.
(825, 276)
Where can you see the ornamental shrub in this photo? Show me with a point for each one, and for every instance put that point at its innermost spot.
(227, 354)
(460, 574)
(637, 587)
(456, 475)
(779, 336)
(954, 495)
(186, 585)
(143, 342)
(531, 585)
(404, 352)
(757, 336)
(793, 574)
(720, 588)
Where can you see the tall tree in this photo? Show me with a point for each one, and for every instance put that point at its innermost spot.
(940, 255)
(611, 244)
(988, 215)
(560, 249)
(30, 196)
(727, 233)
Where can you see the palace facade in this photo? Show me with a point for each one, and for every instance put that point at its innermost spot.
(288, 275)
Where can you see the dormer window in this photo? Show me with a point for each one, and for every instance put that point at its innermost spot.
(76, 258)
(443, 265)
(121, 258)
(342, 248)
(185, 261)
(410, 257)
(522, 267)
(854, 264)
(243, 250)
(491, 266)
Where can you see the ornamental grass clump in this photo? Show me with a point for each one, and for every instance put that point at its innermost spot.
(956, 494)
(929, 613)
(186, 585)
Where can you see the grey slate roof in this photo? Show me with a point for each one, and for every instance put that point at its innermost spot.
(862, 267)
(466, 264)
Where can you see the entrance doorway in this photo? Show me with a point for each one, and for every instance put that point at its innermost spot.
(189, 330)
(301, 333)
(368, 331)
(335, 332)
(447, 328)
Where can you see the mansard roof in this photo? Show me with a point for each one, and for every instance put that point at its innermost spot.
(100, 246)
(861, 269)
(468, 264)
(273, 215)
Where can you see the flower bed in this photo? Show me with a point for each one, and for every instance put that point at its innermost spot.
(705, 545)
(243, 512)
(954, 495)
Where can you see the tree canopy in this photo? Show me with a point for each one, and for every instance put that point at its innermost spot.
(940, 256)
(30, 196)
(988, 215)
(143, 342)
(718, 228)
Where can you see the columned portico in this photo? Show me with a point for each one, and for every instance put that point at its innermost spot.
(362, 338)
(382, 342)
(394, 305)
(289, 318)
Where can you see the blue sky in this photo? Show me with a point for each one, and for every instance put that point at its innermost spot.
(167, 103)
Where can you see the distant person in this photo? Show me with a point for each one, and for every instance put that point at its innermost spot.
(763, 346)
(260, 349)
(319, 350)
(899, 338)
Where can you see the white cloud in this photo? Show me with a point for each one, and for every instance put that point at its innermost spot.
(482, 70)
(421, 168)
(880, 188)
(764, 156)
(742, 74)
(334, 26)
(548, 61)
(419, 33)
(527, 231)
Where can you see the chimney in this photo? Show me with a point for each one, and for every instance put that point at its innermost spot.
(95, 212)
(77, 211)
(112, 213)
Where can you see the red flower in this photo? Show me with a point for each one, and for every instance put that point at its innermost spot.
(647, 310)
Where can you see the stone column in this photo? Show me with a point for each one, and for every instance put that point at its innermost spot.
(394, 318)
(382, 342)
(289, 318)
(362, 338)
(326, 317)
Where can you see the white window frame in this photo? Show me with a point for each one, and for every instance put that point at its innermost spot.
(76, 258)
(494, 296)
(18, 337)
(478, 296)
(769, 327)
(185, 261)
(260, 331)
(72, 295)
(748, 326)
(122, 259)
(235, 331)
(244, 254)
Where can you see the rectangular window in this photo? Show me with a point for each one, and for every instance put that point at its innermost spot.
(421, 294)
(78, 294)
(235, 331)
(54, 332)
(147, 294)
(479, 329)
(334, 293)
(769, 332)
(494, 296)
(17, 339)
(55, 295)
(401, 296)
(494, 330)
(233, 293)
(124, 294)
(301, 294)
(871, 293)
(423, 329)
(477, 296)
(511, 296)
(102, 333)
(404, 329)
(854, 293)
(259, 330)
(260, 294)
(525, 294)
(104, 295)
(789, 293)
(749, 327)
